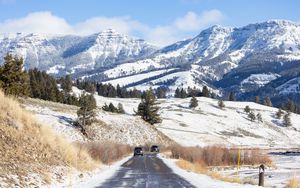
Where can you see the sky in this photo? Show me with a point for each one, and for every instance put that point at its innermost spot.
(160, 22)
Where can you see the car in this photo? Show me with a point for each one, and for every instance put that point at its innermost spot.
(138, 151)
(154, 148)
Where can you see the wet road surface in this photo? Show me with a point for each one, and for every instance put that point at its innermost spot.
(146, 171)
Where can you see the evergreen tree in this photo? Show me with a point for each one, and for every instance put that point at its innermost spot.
(177, 93)
(247, 109)
(279, 113)
(193, 102)
(205, 91)
(66, 83)
(14, 80)
(287, 120)
(257, 100)
(121, 109)
(221, 104)
(259, 117)
(112, 108)
(183, 93)
(267, 102)
(290, 105)
(231, 96)
(148, 108)
(105, 107)
(90, 87)
(251, 116)
(161, 92)
(86, 114)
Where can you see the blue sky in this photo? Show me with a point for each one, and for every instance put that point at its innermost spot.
(158, 21)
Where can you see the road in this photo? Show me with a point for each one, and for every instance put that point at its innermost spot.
(146, 171)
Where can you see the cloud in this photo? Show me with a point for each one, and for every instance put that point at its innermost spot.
(181, 27)
(191, 21)
(37, 22)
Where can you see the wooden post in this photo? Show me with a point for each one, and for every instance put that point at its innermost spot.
(261, 175)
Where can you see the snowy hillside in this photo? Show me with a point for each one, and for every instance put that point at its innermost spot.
(71, 54)
(225, 59)
(218, 51)
(116, 128)
(207, 125)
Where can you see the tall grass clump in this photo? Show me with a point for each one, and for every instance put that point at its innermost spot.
(106, 152)
(27, 146)
(219, 155)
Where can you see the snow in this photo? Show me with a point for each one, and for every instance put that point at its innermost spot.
(135, 78)
(292, 86)
(61, 122)
(200, 180)
(208, 125)
(132, 68)
(286, 167)
(260, 79)
(55, 69)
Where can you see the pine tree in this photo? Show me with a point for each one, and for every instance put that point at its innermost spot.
(112, 108)
(231, 96)
(257, 100)
(267, 102)
(183, 93)
(221, 104)
(279, 113)
(247, 109)
(290, 105)
(105, 107)
(14, 80)
(86, 114)
(66, 83)
(287, 120)
(177, 93)
(251, 116)
(121, 109)
(205, 91)
(193, 102)
(148, 108)
(259, 117)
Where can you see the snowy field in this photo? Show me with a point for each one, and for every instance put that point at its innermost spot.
(285, 167)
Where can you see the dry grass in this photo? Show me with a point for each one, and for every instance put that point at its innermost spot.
(106, 152)
(201, 169)
(219, 156)
(28, 147)
(293, 183)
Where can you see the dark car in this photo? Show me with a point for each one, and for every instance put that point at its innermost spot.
(138, 151)
(154, 148)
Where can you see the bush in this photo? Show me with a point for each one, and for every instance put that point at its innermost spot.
(106, 152)
(219, 156)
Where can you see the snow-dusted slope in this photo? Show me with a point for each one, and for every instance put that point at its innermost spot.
(292, 86)
(71, 54)
(218, 50)
(207, 124)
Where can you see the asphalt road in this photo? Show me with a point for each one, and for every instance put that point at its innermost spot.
(146, 171)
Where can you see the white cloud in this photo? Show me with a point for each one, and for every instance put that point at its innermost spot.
(191, 21)
(46, 22)
(37, 22)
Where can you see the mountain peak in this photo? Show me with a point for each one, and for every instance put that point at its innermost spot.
(109, 33)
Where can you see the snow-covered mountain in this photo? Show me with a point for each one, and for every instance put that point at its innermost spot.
(242, 59)
(60, 55)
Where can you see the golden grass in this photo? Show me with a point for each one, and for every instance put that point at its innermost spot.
(106, 152)
(293, 183)
(219, 155)
(201, 169)
(29, 147)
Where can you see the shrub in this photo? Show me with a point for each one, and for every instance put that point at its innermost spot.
(106, 152)
(219, 156)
